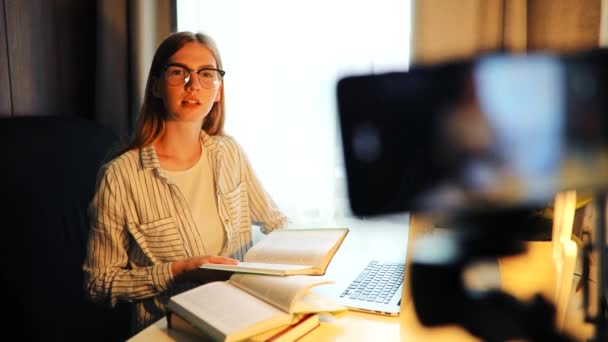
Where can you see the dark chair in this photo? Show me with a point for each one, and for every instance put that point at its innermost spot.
(47, 180)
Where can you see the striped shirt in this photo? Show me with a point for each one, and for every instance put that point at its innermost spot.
(141, 223)
(198, 187)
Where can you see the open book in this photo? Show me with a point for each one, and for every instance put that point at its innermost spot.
(289, 252)
(248, 305)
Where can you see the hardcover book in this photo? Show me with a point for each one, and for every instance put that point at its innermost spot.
(290, 252)
(249, 304)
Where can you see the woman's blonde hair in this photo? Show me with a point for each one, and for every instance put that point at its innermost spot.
(151, 119)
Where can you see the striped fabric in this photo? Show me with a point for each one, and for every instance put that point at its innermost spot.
(140, 223)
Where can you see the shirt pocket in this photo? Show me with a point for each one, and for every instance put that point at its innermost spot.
(160, 240)
(236, 213)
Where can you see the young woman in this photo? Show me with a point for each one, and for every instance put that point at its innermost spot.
(181, 194)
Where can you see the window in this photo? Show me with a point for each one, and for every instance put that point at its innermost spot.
(282, 61)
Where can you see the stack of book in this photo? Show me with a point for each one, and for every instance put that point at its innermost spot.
(302, 325)
(259, 302)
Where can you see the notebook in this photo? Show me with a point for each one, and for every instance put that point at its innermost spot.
(376, 289)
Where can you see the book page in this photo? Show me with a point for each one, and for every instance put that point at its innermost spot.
(312, 302)
(293, 332)
(224, 310)
(564, 251)
(281, 292)
(313, 247)
(261, 268)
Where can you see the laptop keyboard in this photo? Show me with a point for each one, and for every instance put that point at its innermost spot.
(378, 282)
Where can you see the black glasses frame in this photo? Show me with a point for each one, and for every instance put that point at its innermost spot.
(187, 77)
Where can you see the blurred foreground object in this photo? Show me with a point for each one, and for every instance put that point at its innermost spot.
(485, 143)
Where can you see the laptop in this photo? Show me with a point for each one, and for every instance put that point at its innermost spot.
(369, 270)
(376, 289)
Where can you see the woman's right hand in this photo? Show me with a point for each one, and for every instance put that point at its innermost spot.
(190, 268)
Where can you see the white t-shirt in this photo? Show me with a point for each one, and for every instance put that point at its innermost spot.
(198, 188)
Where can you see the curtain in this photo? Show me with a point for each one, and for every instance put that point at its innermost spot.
(563, 26)
(128, 33)
(604, 23)
(445, 30)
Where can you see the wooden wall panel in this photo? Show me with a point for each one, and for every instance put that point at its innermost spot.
(5, 87)
(563, 25)
(51, 45)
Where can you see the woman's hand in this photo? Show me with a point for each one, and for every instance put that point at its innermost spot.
(189, 269)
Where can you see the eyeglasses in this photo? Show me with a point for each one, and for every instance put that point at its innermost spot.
(177, 74)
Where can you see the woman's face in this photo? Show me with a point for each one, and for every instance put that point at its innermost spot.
(193, 100)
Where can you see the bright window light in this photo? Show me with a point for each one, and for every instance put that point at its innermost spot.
(283, 60)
